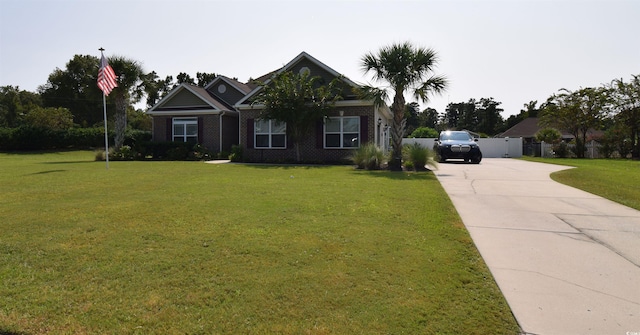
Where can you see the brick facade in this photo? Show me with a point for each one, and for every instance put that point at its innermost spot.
(208, 130)
(312, 148)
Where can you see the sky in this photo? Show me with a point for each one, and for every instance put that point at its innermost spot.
(514, 51)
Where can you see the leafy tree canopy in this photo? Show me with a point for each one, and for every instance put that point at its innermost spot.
(299, 100)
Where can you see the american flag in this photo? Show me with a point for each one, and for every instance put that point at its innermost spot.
(106, 77)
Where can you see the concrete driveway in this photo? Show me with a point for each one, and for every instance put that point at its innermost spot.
(567, 261)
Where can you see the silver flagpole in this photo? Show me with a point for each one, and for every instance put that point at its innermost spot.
(106, 137)
(104, 104)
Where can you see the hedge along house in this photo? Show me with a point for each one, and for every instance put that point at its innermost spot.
(350, 124)
(222, 114)
(206, 115)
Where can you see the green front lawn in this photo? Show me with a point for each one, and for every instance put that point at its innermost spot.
(194, 248)
(614, 179)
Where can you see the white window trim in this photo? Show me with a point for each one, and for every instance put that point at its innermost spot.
(341, 132)
(184, 121)
(269, 133)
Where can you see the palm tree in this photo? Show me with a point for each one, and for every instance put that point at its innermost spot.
(129, 91)
(404, 68)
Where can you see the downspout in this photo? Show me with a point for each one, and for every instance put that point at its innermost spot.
(220, 144)
(239, 127)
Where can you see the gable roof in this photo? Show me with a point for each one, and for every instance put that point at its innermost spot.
(202, 101)
(525, 128)
(302, 56)
(238, 86)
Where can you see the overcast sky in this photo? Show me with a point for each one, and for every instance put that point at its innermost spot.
(512, 50)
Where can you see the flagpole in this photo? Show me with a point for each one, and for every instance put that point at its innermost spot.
(106, 137)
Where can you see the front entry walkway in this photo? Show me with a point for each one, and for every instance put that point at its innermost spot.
(567, 261)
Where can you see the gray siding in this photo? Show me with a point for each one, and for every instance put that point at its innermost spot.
(185, 98)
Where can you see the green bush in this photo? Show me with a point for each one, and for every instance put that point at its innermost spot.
(549, 135)
(124, 153)
(86, 137)
(424, 132)
(236, 153)
(200, 152)
(561, 150)
(368, 157)
(417, 157)
(42, 138)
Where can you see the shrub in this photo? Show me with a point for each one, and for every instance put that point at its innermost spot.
(236, 153)
(86, 137)
(100, 154)
(368, 157)
(200, 152)
(124, 153)
(178, 153)
(548, 135)
(561, 150)
(424, 132)
(408, 165)
(417, 157)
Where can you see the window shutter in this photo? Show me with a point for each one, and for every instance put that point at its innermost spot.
(250, 130)
(364, 129)
(288, 141)
(319, 135)
(200, 130)
(169, 129)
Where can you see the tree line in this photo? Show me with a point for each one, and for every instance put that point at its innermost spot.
(613, 109)
(70, 98)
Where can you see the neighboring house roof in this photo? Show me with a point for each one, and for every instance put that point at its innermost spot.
(187, 98)
(303, 55)
(528, 128)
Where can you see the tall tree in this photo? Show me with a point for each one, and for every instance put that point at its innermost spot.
(129, 91)
(184, 78)
(205, 78)
(576, 112)
(489, 119)
(299, 101)
(156, 88)
(460, 115)
(404, 68)
(530, 110)
(15, 104)
(429, 117)
(626, 102)
(75, 88)
(411, 113)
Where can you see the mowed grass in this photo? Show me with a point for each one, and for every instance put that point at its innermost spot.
(615, 179)
(195, 248)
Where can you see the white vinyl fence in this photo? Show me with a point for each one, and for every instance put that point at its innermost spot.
(490, 147)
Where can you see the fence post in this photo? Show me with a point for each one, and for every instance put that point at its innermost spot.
(541, 149)
(506, 147)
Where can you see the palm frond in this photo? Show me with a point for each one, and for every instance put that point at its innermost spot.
(433, 85)
(379, 96)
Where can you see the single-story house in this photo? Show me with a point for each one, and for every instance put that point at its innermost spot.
(222, 114)
(527, 129)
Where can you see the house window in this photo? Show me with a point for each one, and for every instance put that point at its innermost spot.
(270, 134)
(342, 132)
(185, 129)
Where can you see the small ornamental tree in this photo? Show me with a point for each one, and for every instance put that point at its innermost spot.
(299, 101)
(548, 135)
